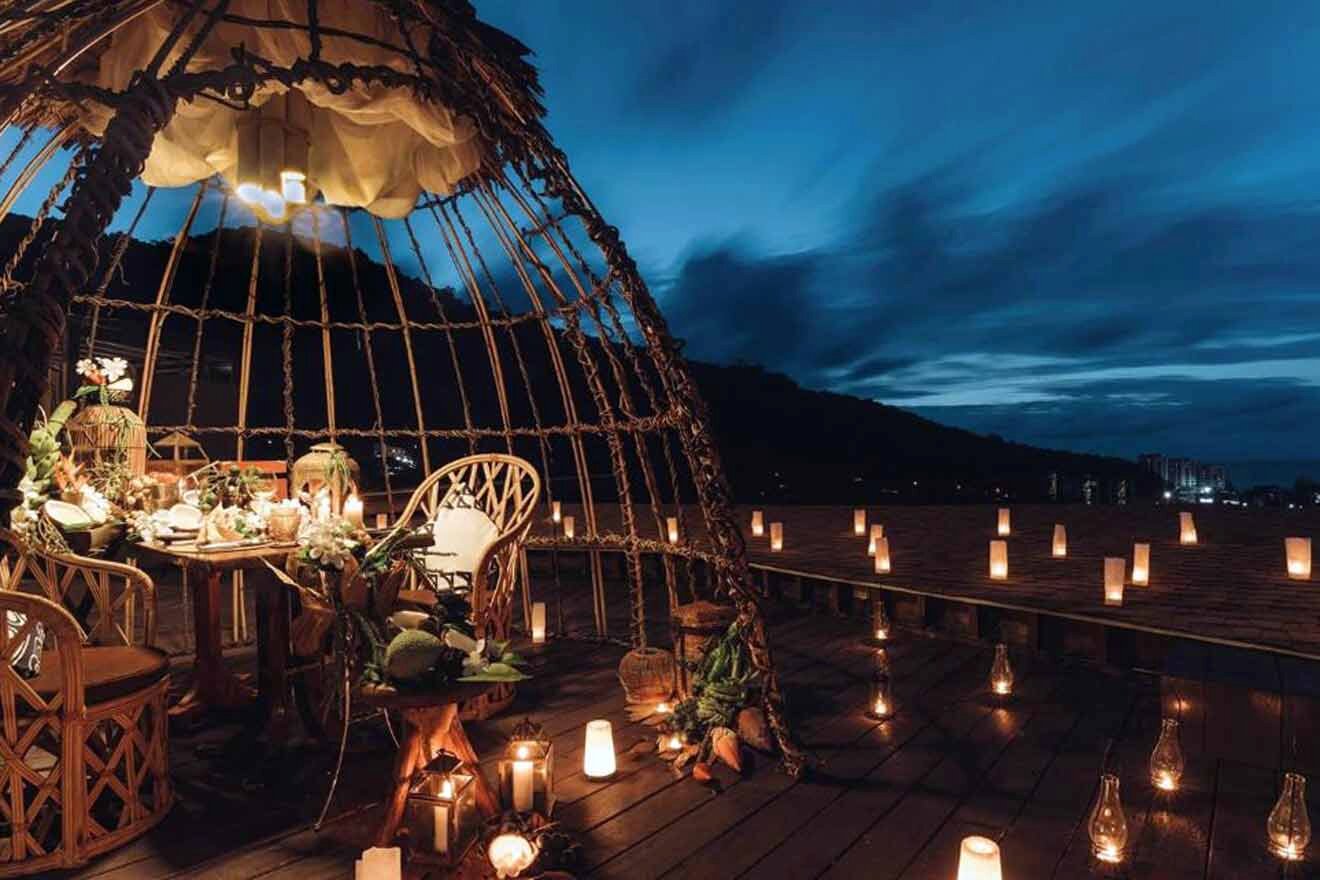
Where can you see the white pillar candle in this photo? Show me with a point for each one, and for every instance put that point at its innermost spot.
(882, 556)
(776, 536)
(538, 623)
(1059, 546)
(440, 818)
(1140, 565)
(859, 522)
(1004, 528)
(758, 523)
(353, 510)
(671, 526)
(1186, 529)
(1298, 551)
(877, 532)
(598, 750)
(979, 859)
(382, 863)
(522, 785)
(568, 527)
(998, 560)
(556, 511)
(1115, 574)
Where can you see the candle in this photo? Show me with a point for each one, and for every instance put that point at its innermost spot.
(568, 527)
(662, 708)
(776, 537)
(674, 743)
(1059, 547)
(556, 511)
(440, 818)
(859, 522)
(353, 510)
(322, 505)
(998, 560)
(877, 532)
(538, 623)
(1140, 565)
(882, 556)
(522, 783)
(1115, 573)
(1298, 552)
(1004, 528)
(758, 523)
(978, 859)
(510, 854)
(381, 863)
(382, 520)
(598, 751)
(671, 525)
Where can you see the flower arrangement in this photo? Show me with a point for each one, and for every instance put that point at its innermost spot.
(105, 377)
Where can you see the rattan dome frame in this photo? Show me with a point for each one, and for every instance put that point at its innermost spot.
(621, 381)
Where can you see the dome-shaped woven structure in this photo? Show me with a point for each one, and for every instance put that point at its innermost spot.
(452, 291)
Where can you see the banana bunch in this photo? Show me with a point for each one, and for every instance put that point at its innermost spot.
(723, 682)
(44, 446)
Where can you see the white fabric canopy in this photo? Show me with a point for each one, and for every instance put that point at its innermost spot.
(372, 147)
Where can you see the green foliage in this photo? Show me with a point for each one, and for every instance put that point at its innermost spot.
(723, 683)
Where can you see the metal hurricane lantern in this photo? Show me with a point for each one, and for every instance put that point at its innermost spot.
(440, 812)
(526, 771)
(471, 301)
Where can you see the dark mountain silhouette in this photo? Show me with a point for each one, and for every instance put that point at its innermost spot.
(779, 442)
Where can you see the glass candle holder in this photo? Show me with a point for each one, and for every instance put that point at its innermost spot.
(978, 859)
(1115, 574)
(1288, 829)
(1166, 760)
(1186, 528)
(776, 537)
(1298, 554)
(880, 700)
(569, 528)
(283, 522)
(758, 523)
(1001, 672)
(526, 770)
(538, 623)
(1004, 526)
(440, 810)
(1107, 826)
(859, 522)
(882, 556)
(879, 621)
(1059, 545)
(998, 560)
(877, 532)
(1140, 565)
(598, 751)
(671, 529)
(556, 511)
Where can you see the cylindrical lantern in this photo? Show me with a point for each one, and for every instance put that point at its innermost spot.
(526, 770)
(538, 623)
(1059, 546)
(859, 522)
(440, 809)
(568, 528)
(776, 537)
(556, 511)
(1115, 574)
(978, 859)
(1005, 527)
(1298, 552)
(510, 854)
(1288, 828)
(998, 560)
(598, 751)
(877, 532)
(758, 523)
(1108, 826)
(882, 556)
(1001, 672)
(671, 527)
(1186, 528)
(1140, 565)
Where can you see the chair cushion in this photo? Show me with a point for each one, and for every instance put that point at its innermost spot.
(108, 672)
(465, 532)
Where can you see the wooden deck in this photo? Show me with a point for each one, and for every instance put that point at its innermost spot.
(890, 800)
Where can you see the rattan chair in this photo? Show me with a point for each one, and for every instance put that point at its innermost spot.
(505, 488)
(84, 762)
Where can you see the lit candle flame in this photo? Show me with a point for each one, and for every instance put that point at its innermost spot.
(1109, 853)
(1166, 782)
(662, 708)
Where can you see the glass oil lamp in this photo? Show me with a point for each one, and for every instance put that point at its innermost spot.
(1108, 826)
(526, 770)
(880, 626)
(880, 703)
(440, 810)
(1166, 761)
(1288, 829)
(1001, 672)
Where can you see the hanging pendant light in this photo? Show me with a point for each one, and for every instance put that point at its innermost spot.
(273, 150)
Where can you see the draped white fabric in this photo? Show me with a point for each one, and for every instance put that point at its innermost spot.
(372, 147)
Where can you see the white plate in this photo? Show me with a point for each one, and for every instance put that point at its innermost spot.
(66, 515)
(185, 517)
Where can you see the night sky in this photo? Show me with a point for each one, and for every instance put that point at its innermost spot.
(1091, 226)
(1086, 226)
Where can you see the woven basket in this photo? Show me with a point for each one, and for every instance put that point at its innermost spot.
(647, 675)
(693, 625)
(99, 432)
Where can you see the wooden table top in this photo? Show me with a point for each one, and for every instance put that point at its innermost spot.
(246, 556)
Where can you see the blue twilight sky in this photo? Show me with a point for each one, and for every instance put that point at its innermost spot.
(1086, 225)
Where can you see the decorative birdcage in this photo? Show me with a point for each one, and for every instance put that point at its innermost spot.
(103, 434)
(374, 243)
